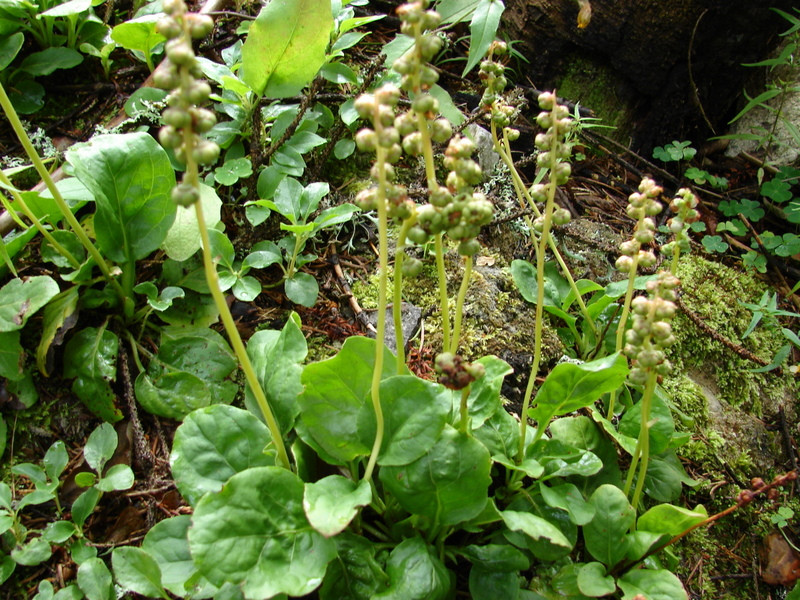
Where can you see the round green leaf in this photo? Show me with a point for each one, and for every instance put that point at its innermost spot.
(137, 571)
(605, 534)
(95, 581)
(183, 238)
(593, 581)
(19, 299)
(448, 484)
(168, 543)
(214, 443)
(273, 550)
(118, 477)
(332, 502)
(416, 573)
(302, 289)
(653, 584)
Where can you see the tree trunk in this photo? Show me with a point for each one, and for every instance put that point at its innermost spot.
(674, 66)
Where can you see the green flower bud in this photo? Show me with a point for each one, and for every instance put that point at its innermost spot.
(469, 247)
(547, 100)
(441, 130)
(185, 195)
(417, 235)
(203, 120)
(366, 140)
(168, 27)
(179, 52)
(166, 77)
(561, 216)
(199, 25)
(205, 152)
(425, 103)
(366, 199)
(169, 137)
(412, 267)
(198, 92)
(176, 117)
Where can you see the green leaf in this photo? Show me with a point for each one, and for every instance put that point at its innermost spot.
(277, 358)
(138, 34)
(192, 369)
(95, 580)
(669, 519)
(213, 444)
(344, 148)
(46, 61)
(448, 484)
(55, 460)
(336, 389)
(605, 533)
(535, 527)
(524, 275)
(665, 477)
(332, 502)
(67, 9)
(415, 412)
(58, 532)
(84, 505)
(569, 498)
(500, 434)
(497, 557)
(483, 28)
(593, 581)
(285, 46)
(34, 552)
(485, 584)
(653, 584)
(275, 550)
(27, 96)
(416, 573)
(167, 542)
(100, 446)
(91, 358)
(60, 315)
(714, 243)
(484, 396)
(562, 460)
(19, 299)
(570, 387)
(131, 179)
(355, 573)
(137, 571)
(9, 48)
(233, 170)
(447, 107)
(661, 429)
(118, 477)
(12, 357)
(183, 238)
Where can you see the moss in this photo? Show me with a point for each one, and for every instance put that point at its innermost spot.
(714, 292)
(595, 86)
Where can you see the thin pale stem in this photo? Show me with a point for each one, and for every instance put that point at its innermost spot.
(444, 300)
(236, 340)
(383, 266)
(38, 224)
(623, 322)
(643, 443)
(397, 301)
(462, 294)
(464, 408)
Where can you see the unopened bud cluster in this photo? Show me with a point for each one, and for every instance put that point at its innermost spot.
(643, 206)
(553, 153)
(492, 73)
(418, 22)
(385, 140)
(184, 120)
(684, 205)
(456, 209)
(651, 330)
(455, 373)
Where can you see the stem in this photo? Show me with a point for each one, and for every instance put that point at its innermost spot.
(503, 149)
(236, 339)
(642, 451)
(444, 301)
(623, 321)
(383, 266)
(537, 336)
(66, 212)
(462, 293)
(397, 302)
(38, 224)
(464, 423)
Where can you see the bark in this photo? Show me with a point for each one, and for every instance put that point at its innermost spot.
(677, 64)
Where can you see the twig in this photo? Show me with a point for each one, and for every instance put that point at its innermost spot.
(737, 348)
